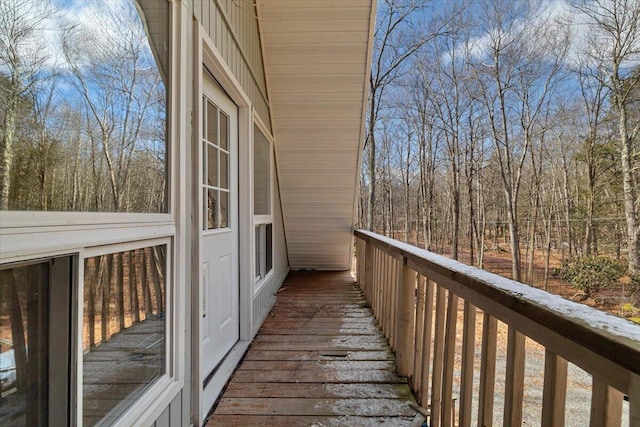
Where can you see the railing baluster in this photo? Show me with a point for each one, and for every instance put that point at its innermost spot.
(380, 288)
(468, 355)
(425, 398)
(606, 405)
(449, 355)
(438, 357)
(487, 370)
(390, 279)
(417, 356)
(368, 270)
(405, 321)
(395, 290)
(379, 271)
(514, 386)
(555, 390)
(386, 304)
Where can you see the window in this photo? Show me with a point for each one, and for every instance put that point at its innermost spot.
(262, 209)
(264, 250)
(35, 344)
(261, 174)
(124, 329)
(85, 106)
(90, 149)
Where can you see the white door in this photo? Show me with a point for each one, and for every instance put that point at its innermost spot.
(219, 280)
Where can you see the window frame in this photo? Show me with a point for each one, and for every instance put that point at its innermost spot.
(60, 300)
(27, 236)
(155, 389)
(260, 221)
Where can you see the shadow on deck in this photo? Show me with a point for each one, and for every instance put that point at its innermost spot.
(319, 359)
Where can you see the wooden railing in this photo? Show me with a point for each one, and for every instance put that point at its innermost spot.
(416, 297)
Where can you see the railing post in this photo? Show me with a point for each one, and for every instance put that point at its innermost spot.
(405, 319)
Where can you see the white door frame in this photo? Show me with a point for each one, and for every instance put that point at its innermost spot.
(206, 54)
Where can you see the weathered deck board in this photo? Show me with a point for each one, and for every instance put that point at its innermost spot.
(319, 359)
(121, 368)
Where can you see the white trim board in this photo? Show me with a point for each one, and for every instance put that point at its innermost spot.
(206, 54)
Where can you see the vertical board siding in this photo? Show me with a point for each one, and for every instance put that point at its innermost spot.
(232, 25)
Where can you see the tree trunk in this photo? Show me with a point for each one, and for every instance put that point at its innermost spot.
(146, 291)
(631, 214)
(516, 264)
(6, 154)
(120, 291)
(158, 262)
(133, 288)
(371, 143)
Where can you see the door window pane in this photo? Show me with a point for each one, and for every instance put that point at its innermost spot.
(124, 326)
(212, 123)
(212, 165)
(211, 209)
(224, 209)
(224, 131)
(224, 170)
(261, 174)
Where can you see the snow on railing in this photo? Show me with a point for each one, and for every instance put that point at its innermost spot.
(427, 306)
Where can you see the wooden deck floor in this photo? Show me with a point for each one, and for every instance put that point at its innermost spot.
(319, 359)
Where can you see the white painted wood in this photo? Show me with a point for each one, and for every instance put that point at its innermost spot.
(219, 253)
(316, 64)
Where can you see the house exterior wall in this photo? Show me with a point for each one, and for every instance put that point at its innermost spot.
(234, 32)
(233, 28)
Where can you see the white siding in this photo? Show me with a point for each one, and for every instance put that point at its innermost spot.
(233, 27)
(316, 55)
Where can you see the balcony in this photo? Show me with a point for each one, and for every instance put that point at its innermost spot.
(474, 348)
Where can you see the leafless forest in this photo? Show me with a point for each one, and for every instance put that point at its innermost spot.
(500, 126)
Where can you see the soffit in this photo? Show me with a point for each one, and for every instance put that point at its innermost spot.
(316, 55)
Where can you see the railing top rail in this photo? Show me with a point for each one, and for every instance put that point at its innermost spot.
(611, 337)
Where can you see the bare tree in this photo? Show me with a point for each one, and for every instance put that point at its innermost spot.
(22, 59)
(613, 47)
(517, 73)
(113, 71)
(398, 36)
